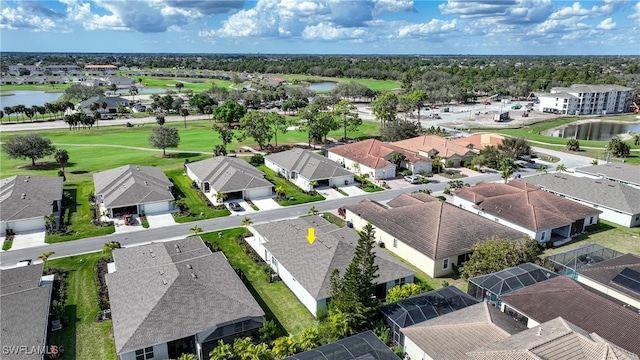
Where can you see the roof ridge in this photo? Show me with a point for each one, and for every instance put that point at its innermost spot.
(437, 229)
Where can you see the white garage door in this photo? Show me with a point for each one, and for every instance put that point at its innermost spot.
(27, 225)
(259, 193)
(156, 207)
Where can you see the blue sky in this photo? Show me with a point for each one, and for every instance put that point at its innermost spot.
(482, 27)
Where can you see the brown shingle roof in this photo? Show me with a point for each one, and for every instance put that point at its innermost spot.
(374, 153)
(427, 143)
(525, 205)
(556, 339)
(605, 271)
(434, 228)
(452, 335)
(564, 297)
(480, 141)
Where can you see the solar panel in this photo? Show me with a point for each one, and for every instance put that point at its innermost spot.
(628, 278)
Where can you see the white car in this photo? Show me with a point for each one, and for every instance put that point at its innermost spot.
(411, 179)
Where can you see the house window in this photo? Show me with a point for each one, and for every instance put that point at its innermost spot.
(445, 264)
(274, 262)
(399, 282)
(395, 243)
(591, 220)
(243, 326)
(544, 233)
(144, 354)
(293, 175)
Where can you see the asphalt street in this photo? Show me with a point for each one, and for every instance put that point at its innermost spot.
(10, 258)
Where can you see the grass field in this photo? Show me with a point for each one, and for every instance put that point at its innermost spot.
(82, 338)
(291, 191)
(276, 299)
(169, 83)
(197, 208)
(80, 211)
(370, 83)
(616, 237)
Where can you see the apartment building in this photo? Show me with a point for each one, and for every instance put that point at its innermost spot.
(587, 99)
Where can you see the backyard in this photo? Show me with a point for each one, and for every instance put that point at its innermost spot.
(82, 337)
(292, 195)
(276, 299)
(616, 237)
(195, 200)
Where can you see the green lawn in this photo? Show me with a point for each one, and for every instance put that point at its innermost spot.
(616, 237)
(80, 210)
(370, 186)
(370, 83)
(291, 190)
(276, 299)
(83, 338)
(197, 208)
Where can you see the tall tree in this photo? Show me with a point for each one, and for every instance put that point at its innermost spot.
(618, 148)
(497, 254)
(515, 147)
(507, 168)
(30, 146)
(255, 124)
(399, 130)
(184, 112)
(225, 134)
(45, 257)
(62, 157)
(163, 137)
(201, 101)
(279, 123)
(350, 118)
(230, 111)
(385, 108)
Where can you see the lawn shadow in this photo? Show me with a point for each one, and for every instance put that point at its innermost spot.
(41, 166)
(66, 337)
(269, 314)
(183, 155)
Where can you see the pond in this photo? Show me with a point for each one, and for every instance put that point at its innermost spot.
(599, 130)
(27, 98)
(322, 86)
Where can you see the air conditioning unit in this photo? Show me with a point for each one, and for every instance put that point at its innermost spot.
(381, 244)
(106, 314)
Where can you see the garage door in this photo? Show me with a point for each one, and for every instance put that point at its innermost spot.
(259, 193)
(27, 225)
(156, 207)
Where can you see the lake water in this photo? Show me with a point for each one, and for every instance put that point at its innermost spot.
(27, 98)
(322, 86)
(600, 130)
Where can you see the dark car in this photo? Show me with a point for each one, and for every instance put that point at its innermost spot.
(128, 219)
(235, 206)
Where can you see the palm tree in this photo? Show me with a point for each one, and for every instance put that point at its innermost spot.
(105, 214)
(221, 352)
(50, 222)
(542, 169)
(196, 229)
(246, 222)
(280, 191)
(313, 211)
(507, 168)
(561, 167)
(313, 184)
(437, 163)
(594, 162)
(45, 257)
(133, 91)
(221, 197)
(636, 139)
(397, 158)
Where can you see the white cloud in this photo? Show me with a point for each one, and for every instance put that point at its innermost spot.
(635, 12)
(607, 24)
(21, 18)
(326, 32)
(433, 27)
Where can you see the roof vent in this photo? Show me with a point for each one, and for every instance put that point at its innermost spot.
(165, 281)
(28, 177)
(23, 196)
(137, 167)
(161, 272)
(539, 331)
(189, 266)
(26, 180)
(146, 183)
(193, 275)
(178, 249)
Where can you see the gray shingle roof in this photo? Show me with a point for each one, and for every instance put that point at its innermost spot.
(40, 193)
(308, 164)
(619, 172)
(311, 265)
(112, 101)
(556, 339)
(435, 228)
(24, 309)
(611, 194)
(132, 185)
(604, 272)
(155, 298)
(452, 335)
(228, 174)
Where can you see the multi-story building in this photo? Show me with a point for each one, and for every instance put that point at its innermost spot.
(587, 99)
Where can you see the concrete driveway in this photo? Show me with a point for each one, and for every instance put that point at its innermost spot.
(160, 220)
(120, 227)
(352, 190)
(266, 203)
(329, 193)
(27, 240)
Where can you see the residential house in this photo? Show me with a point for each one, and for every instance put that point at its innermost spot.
(133, 189)
(118, 80)
(524, 207)
(618, 202)
(306, 268)
(556, 339)
(452, 336)
(490, 287)
(373, 158)
(480, 141)
(100, 68)
(25, 200)
(177, 297)
(113, 104)
(620, 172)
(618, 278)
(303, 167)
(564, 297)
(430, 234)
(229, 175)
(365, 345)
(416, 309)
(431, 145)
(25, 299)
(581, 99)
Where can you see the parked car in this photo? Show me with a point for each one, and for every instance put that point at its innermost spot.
(411, 179)
(128, 219)
(235, 206)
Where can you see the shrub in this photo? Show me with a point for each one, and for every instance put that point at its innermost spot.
(129, 124)
(407, 172)
(256, 160)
